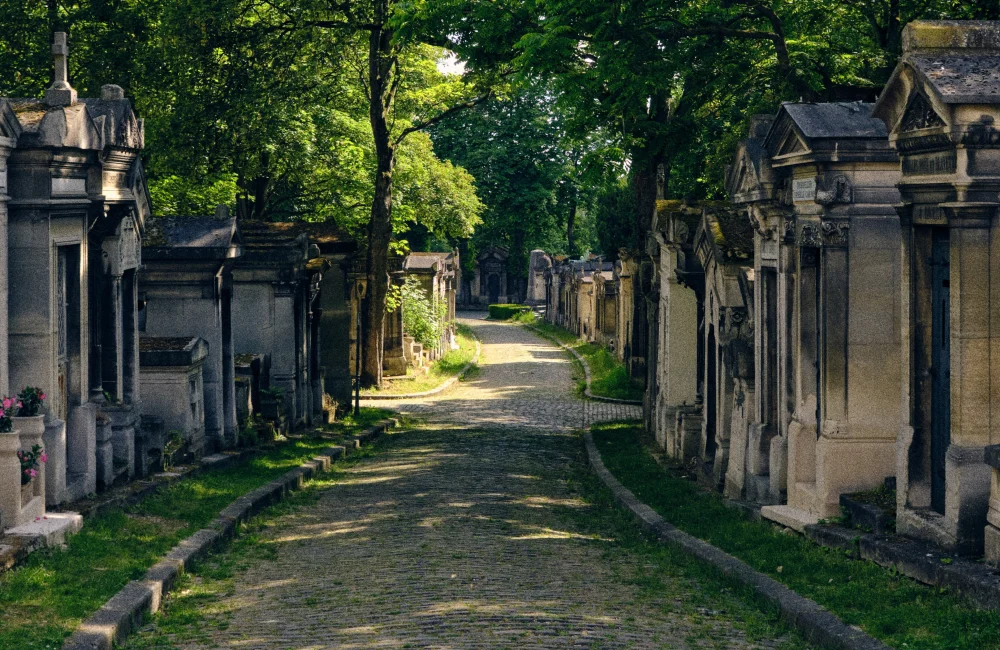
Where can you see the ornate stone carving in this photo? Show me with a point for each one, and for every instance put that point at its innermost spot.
(789, 228)
(920, 115)
(809, 235)
(982, 134)
(122, 251)
(839, 191)
(835, 233)
(736, 339)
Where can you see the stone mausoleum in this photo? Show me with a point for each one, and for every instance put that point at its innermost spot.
(73, 208)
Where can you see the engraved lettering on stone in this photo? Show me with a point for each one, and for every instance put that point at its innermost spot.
(930, 164)
(804, 189)
(69, 186)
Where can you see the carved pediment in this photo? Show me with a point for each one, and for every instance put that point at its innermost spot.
(919, 115)
(792, 144)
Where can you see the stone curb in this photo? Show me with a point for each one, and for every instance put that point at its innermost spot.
(434, 391)
(816, 623)
(586, 370)
(125, 611)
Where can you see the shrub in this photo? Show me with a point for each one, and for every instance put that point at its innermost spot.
(423, 319)
(506, 312)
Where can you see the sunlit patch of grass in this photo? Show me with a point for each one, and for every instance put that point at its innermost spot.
(45, 599)
(887, 605)
(440, 371)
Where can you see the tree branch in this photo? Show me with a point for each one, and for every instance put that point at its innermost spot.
(420, 126)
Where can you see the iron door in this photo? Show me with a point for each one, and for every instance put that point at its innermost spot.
(940, 365)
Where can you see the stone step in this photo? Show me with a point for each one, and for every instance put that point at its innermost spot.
(50, 529)
(788, 516)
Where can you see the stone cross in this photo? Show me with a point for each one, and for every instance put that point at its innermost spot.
(60, 93)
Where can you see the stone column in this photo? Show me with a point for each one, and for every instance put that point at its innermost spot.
(111, 339)
(231, 426)
(678, 358)
(6, 144)
(284, 348)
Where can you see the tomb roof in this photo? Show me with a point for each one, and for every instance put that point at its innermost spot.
(835, 120)
(417, 260)
(171, 351)
(729, 233)
(205, 237)
(961, 78)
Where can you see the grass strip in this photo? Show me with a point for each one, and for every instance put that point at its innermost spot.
(440, 371)
(44, 600)
(608, 376)
(887, 605)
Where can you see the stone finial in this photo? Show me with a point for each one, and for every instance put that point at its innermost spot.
(60, 93)
(222, 211)
(111, 92)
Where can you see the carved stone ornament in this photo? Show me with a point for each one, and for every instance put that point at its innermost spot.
(982, 134)
(122, 251)
(835, 233)
(809, 235)
(839, 191)
(736, 339)
(789, 228)
(920, 115)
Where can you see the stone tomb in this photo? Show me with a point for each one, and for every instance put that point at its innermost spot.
(275, 291)
(942, 108)
(172, 382)
(838, 243)
(490, 282)
(186, 288)
(539, 262)
(75, 217)
(723, 247)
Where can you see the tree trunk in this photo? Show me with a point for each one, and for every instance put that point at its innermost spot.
(571, 224)
(380, 226)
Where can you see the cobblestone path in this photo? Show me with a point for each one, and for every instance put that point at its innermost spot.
(469, 533)
(525, 382)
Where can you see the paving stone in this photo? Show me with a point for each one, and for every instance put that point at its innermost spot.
(458, 535)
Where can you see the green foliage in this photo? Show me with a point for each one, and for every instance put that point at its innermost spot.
(506, 312)
(183, 196)
(424, 318)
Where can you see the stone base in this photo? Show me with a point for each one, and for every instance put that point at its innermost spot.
(992, 546)
(51, 528)
(790, 517)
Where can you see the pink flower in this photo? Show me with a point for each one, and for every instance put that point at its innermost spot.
(45, 458)
(20, 404)
(7, 402)
(42, 396)
(33, 473)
